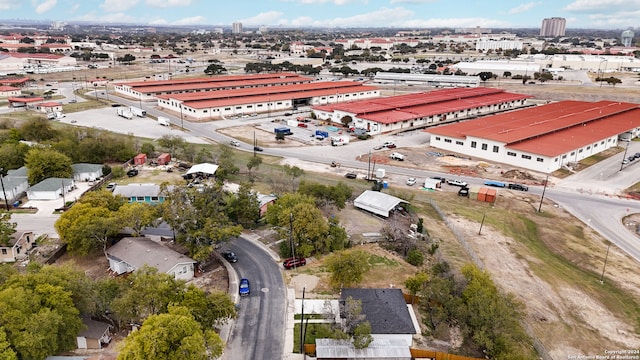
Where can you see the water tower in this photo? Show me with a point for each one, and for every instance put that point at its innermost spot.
(627, 38)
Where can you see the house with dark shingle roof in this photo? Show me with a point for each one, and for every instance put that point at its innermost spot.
(132, 253)
(387, 311)
(95, 335)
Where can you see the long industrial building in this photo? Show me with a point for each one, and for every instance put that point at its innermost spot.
(252, 100)
(418, 110)
(149, 90)
(543, 138)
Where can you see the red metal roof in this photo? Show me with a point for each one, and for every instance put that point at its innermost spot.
(418, 105)
(21, 80)
(552, 129)
(8, 88)
(221, 85)
(209, 79)
(50, 104)
(25, 100)
(36, 56)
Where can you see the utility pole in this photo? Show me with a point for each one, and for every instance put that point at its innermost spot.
(544, 189)
(605, 263)
(625, 155)
(302, 324)
(6, 202)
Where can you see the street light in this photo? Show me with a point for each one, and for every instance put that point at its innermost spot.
(624, 157)
(4, 194)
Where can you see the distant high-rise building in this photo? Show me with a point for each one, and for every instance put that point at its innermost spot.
(553, 26)
(236, 28)
(627, 38)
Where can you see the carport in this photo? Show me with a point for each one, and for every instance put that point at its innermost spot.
(376, 202)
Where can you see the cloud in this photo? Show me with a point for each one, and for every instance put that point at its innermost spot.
(617, 20)
(195, 20)
(594, 6)
(9, 4)
(118, 5)
(167, 3)
(269, 17)
(44, 6)
(524, 7)
(412, 1)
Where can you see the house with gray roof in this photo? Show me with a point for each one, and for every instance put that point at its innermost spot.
(95, 335)
(13, 187)
(50, 189)
(86, 172)
(17, 247)
(141, 192)
(390, 316)
(132, 253)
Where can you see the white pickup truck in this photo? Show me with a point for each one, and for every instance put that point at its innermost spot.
(397, 156)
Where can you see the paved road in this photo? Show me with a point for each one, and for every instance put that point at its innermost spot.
(259, 329)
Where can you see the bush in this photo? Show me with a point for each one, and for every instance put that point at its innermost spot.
(415, 257)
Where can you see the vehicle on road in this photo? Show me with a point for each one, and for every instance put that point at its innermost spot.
(244, 289)
(234, 143)
(456, 182)
(442, 180)
(378, 147)
(132, 172)
(411, 181)
(518, 187)
(257, 148)
(397, 156)
(111, 186)
(495, 183)
(230, 256)
(302, 125)
(389, 145)
(288, 114)
(351, 175)
(335, 164)
(164, 121)
(294, 262)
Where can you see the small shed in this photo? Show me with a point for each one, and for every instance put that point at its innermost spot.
(491, 195)
(473, 192)
(482, 194)
(164, 159)
(94, 336)
(377, 202)
(203, 170)
(140, 159)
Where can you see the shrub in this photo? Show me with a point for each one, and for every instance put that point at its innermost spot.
(415, 257)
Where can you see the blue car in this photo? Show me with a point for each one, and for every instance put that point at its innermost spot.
(244, 287)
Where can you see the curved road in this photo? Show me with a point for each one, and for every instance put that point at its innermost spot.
(259, 329)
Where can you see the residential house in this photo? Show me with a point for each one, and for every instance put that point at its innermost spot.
(265, 201)
(50, 189)
(14, 185)
(390, 316)
(8, 91)
(132, 253)
(149, 193)
(95, 335)
(17, 248)
(86, 172)
(334, 349)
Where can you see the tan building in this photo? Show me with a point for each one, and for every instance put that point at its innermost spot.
(17, 248)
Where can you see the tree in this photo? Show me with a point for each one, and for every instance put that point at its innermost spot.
(416, 283)
(613, 81)
(215, 69)
(293, 173)
(226, 164)
(347, 268)
(243, 207)
(43, 163)
(7, 228)
(355, 324)
(209, 309)
(254, 162)
(175, 335)
(6, 352)
(172, 143)
(38, 131)
(86, 228)
(137, 216)
(485, 75)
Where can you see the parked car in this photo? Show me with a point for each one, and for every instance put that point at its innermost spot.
(456, 182)
(302, 125)
(234, 143)
(288, 114)
(518, 187)
(111, 186)
(397, 156)
(378, 147)
(411, 181)
(132, 172)
(351, 175)
(294, 262)
(244, 287)
(442, 180)
(257, 148)
(463, 192)
(230, 256)
(389, 145)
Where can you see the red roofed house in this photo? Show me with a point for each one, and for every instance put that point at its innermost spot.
(48, 107)
(8, 91)
(26, 102)
(543, 138)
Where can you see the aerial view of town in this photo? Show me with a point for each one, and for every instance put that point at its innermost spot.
(319, 179)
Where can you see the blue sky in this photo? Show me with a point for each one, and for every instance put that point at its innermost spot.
(606, 14)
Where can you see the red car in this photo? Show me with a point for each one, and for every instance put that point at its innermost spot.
(302, 125)
(294, 262)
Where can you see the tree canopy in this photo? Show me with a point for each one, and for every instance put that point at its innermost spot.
(43, 163)
(347, 268)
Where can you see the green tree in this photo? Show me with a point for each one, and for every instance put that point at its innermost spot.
(172, 143)
(254, 162)
(86, 229)
(226, 164)
(43, 163)
(355, 324)
(12, 154)
(215, 69)
(243, 207)
(7, 228)
(485, 75)
(292, 173)
(209, 309)
(137, 216)
(416, 283)
(38, 131)
(6, 352)
(347, 268)
(172, 336)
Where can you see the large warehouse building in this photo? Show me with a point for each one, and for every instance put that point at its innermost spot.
(419, 110)
(543, 138)
(245, 101)
(149, 90)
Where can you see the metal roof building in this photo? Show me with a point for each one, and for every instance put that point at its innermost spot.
(377, 202)
(543, 138)
(429, 79)
(331, 349)
(422, 109)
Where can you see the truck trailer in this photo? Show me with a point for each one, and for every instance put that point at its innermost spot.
(125, 113)
(138, 112)
(339, 140)
(164, 121)
(282, 130)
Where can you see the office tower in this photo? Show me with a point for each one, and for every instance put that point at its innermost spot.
(553, 27)
(236, 28)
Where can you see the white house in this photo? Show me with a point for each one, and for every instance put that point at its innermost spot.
(130, 254)
(95, 336)
(50, 189)
(86, 172)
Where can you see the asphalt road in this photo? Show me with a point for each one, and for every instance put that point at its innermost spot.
(259, 329)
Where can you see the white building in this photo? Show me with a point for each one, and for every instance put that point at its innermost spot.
(552, 27)
(236, 27)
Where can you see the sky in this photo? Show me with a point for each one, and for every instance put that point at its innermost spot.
(601, 14)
